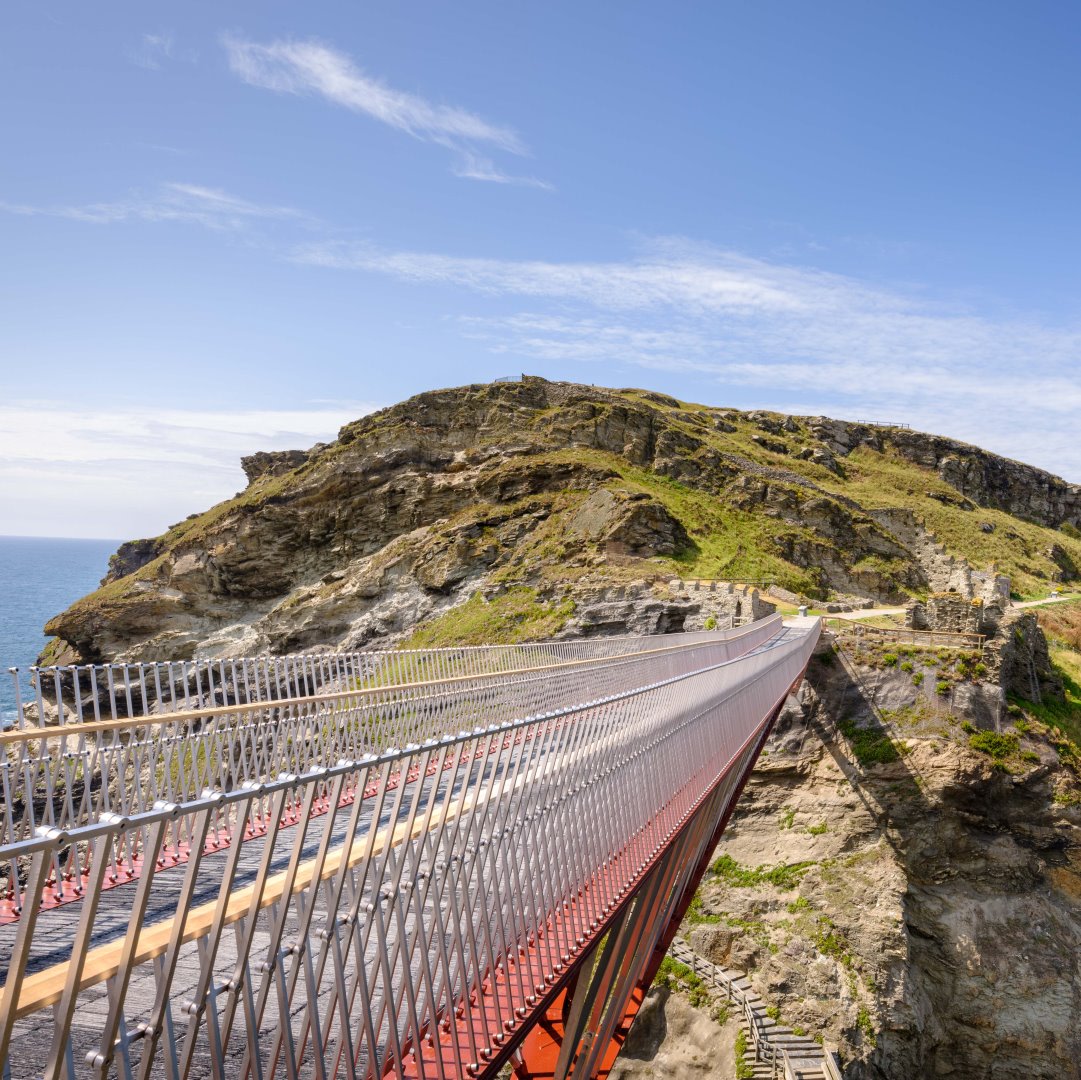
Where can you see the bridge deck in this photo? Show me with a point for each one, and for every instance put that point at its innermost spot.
(442, 887)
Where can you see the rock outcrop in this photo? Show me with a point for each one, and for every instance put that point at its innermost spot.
(980, 477)
(892, 886)
(903, 874)
(275, 462)
(416, 508)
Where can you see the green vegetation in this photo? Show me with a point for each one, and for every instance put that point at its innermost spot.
(1062, 625)
(737, 545)
(819, 829)
(788, 816)
(674, 975)
(1014, 547)
(744, 1068)
(800, 904)
(733, 536)
(696, 916)
(870, 747)
(864, 1023)
(829, 941)
(514, 615)
(998, 746)
(754, 927)
(783, 876)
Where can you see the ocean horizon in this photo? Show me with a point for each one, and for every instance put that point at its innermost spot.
(40, 576)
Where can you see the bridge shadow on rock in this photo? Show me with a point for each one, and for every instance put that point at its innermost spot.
(867, 748)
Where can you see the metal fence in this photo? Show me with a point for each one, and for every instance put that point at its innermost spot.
(76, 693)
(396, 882)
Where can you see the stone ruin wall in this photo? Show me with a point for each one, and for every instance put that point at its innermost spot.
(729, 604)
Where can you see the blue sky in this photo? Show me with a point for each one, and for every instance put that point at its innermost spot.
(233, 227)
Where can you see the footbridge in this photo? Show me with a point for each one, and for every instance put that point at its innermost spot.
(432, 864)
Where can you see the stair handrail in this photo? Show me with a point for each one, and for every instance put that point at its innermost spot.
(764, 1050)
(831, 1066)
(776, 1056)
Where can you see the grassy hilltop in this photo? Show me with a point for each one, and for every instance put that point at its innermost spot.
(526, 490)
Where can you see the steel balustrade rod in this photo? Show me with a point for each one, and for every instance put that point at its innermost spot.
(469, 872)
(177, 754)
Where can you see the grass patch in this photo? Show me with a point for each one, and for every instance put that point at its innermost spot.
(514, 615)
(997, 745)
(674, 975)
(744, 1068)
(696, 916)
(1014, 547)
(783, 876)
(864, 1023)
(870, 747)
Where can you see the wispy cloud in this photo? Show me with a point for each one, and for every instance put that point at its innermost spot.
(133, 471)
(472, 167)
(311, 67)
(763, 330)
(154, 50)
(191, 203)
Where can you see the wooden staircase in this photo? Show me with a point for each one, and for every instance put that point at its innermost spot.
(779, 1053)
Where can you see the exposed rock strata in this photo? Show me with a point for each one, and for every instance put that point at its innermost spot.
(981, 477)
(937, 928)
(415, 508)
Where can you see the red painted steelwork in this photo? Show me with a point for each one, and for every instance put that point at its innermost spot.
(534, 1041)
(650, 973)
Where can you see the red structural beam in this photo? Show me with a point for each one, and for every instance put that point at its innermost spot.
(534, 1043)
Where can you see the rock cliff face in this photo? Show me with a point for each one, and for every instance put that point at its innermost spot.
(979, 478)
(562, 488)
(903, 875)
(902, 885)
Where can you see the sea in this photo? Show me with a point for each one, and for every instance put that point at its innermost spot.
(39, 578)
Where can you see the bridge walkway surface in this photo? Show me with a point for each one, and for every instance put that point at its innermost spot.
(372, 873)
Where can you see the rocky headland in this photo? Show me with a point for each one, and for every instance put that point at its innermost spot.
(902, 878)
(568, 492)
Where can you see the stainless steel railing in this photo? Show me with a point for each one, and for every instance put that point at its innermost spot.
(67, 776)
(352, 936)
(75, 693)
